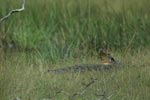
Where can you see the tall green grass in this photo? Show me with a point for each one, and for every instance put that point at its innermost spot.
(69, 28)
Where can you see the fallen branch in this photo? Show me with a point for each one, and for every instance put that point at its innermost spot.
(13, 11)
(72, 97)
(103, 96)
(83, 89)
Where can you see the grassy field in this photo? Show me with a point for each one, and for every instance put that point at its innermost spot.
(29, 80)
(66, 28)
(57, 33)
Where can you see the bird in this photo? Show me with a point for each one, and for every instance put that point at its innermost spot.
(106, 57)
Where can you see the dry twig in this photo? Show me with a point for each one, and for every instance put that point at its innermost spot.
(84, 89)
(13, 11)
(104, 96)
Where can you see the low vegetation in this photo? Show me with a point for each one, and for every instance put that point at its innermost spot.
(30, 80)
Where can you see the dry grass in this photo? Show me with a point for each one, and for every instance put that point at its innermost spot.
(28, 79)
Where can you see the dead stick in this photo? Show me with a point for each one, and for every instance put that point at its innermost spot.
(84, 89)
(13, 11)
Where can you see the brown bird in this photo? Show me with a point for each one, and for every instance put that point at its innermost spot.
(106, 58)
